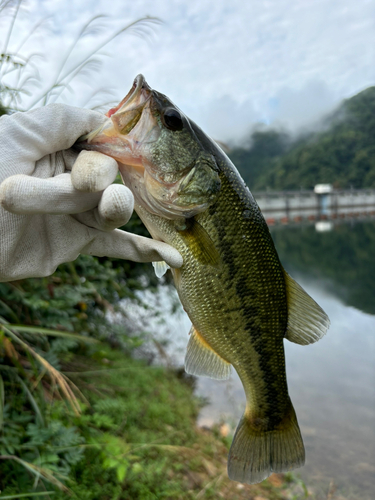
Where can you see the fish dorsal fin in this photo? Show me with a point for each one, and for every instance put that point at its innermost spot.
(160, 268)
(200, 359)
(307, 322)
(200, 243)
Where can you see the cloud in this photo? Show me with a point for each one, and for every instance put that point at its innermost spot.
(225, 118)
(297, 109)
(226, 65)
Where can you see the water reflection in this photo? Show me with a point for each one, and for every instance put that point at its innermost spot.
(332, 383)
(342, 259)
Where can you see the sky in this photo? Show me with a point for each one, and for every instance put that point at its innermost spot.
(227, 65)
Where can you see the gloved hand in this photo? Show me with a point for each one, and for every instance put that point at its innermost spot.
(55, 204)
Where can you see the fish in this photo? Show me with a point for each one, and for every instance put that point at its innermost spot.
(240, 300)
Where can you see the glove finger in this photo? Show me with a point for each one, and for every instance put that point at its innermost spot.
(114, 210)
(22, 194)
(122, 245)
(69, 157)
(47, 241)
(28, 137)
(93, 171)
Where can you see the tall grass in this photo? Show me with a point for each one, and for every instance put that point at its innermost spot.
(23, 75)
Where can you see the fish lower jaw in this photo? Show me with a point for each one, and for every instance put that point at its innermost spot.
(133, 166)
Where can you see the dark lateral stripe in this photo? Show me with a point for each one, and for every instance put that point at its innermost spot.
(270, 362)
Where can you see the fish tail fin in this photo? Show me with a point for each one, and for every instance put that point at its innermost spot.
(255, 454)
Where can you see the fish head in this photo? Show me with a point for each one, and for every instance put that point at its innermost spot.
(160, 157)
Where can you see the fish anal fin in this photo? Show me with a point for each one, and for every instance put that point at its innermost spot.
(307, 322)
(202, 360)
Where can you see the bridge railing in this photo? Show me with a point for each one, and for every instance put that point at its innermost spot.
(305, 205)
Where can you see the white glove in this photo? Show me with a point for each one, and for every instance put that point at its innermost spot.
(38, 230)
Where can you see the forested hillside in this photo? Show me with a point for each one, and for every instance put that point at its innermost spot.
(342, 154)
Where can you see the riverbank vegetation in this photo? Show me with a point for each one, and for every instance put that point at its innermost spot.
(341, 152)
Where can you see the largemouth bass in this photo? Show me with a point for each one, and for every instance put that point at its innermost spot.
(241, 302)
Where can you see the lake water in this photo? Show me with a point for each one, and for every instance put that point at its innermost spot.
(332, 382)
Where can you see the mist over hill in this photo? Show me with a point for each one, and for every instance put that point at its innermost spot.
(342, 153)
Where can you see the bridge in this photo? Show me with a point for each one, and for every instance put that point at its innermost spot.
(321, 204)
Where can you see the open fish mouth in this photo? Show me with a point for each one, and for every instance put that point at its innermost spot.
(129, 129)
(139, 92)
(124, 117)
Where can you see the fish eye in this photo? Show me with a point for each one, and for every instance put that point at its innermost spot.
(172, 119)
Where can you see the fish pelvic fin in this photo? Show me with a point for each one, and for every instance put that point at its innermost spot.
(160, 268)
(201, 359)
(255, 454)
(307, 322)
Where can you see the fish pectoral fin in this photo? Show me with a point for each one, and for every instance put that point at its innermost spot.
(307, 322)
(201, 359)
(200, 243)
(160, 268)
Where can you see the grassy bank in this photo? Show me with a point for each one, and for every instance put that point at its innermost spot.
(136, 439)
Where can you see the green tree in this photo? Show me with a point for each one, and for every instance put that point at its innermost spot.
(256, 158)
(343, 154)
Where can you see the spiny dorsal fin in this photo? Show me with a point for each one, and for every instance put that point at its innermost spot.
(200, 359)
(307, 322)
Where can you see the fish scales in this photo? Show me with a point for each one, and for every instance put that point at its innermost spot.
(245, 314)
(232, 285)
